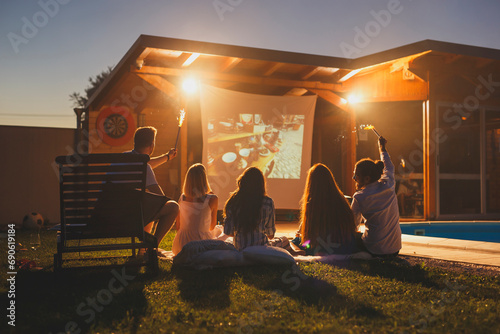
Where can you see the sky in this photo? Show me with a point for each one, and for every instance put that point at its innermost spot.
(49, 48)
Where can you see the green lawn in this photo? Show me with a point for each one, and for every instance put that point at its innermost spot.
(391, 296)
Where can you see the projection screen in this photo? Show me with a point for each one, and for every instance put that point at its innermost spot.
(273, 133)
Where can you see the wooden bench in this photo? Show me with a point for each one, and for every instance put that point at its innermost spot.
(101, 206)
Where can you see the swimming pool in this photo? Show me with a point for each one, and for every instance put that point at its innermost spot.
(479, 231)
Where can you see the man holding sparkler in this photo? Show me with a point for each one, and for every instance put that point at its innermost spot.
(156, 205)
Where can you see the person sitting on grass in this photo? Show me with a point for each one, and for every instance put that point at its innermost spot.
(197, 209)
(249, 213)
(376, 203)
(327, 222)
(156, 206)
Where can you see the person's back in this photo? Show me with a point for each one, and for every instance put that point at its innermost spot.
(260, 235)
(197, 209)
(379, 206)
(196, 217)
(377, 203)
(327, 222)
(249, 213)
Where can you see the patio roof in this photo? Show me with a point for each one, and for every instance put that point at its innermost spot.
(163, 61)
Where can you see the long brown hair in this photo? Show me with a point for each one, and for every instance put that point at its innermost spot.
(324, 209)
(245, 203)
(196, 182)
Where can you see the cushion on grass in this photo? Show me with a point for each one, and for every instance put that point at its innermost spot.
(218, 258)
(194, 248)
(267, 255)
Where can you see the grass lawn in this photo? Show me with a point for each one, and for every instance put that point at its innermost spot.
(405, 295)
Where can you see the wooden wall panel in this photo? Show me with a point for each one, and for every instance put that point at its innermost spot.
(385, 86)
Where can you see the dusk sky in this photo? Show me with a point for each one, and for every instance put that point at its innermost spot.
(49, 48)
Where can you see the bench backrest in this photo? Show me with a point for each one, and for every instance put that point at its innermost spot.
(101, 195)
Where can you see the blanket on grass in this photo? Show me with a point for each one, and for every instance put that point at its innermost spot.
(207, 254)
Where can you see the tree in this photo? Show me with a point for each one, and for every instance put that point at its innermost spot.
(80, 101)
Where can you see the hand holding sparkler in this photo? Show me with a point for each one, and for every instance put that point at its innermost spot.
(182, 115)
(381, 144)
(171, 153)
(371, 127)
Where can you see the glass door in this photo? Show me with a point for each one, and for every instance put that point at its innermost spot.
(468, 162)
(492, 155)
(459, 161)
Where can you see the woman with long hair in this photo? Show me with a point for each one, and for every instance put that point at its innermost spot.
(197, 209)
(326, 222)
(376, 204)
(249, 213)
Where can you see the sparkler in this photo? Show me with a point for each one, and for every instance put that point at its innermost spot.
(371, 127)
(182, 115)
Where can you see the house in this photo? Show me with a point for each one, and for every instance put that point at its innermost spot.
(437, 103)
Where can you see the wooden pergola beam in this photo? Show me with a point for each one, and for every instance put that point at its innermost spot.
(271, 69)
(331, 97)
(349, 75)
(230, 63)
(144, 53)
(221, 84)
(309, 73)
(296, 92)
(163, 86)
(247, 79)
(182, 58)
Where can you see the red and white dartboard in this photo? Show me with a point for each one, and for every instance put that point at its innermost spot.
(115, 125)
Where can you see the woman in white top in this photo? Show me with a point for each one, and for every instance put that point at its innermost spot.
(197, 209)
(375, 202)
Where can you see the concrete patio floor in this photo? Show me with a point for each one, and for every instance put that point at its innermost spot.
(477, 252)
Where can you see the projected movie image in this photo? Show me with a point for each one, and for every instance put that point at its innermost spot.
(270, 142)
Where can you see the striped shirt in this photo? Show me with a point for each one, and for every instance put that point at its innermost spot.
(259, 235)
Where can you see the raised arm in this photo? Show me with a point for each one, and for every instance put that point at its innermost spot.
(381, 144)
(161, 159)
(388, 172)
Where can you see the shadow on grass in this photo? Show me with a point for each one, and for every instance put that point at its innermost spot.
(210, 289)
(79, 299)
(207, 289)
(291, 282)
(396, 268)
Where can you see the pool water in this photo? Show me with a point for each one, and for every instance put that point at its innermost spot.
(478, 231)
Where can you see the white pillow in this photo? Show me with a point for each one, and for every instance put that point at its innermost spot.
(267, 255)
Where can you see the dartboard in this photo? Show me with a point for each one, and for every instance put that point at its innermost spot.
(115, 125)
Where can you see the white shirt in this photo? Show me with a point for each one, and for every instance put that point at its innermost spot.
(378, 205)
(150, 175)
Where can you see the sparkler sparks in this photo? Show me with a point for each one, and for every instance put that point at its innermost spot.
(182, 115)
(371, 127)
